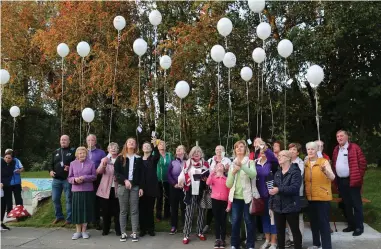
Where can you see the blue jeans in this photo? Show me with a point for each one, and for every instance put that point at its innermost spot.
(319, 219)
(266, 221)
(57, 187)
(239, 208)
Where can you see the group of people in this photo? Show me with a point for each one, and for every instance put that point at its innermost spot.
(277, 182)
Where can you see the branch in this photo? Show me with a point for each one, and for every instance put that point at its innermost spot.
(271, 19)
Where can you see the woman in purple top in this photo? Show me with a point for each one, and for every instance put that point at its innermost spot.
(264, 179)
(176, 193)
(82, 174)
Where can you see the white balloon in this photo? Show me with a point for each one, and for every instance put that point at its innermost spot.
(224, 26)
(155, 17)
(140, 46)
(218, 53)
(259, 55)
(182, 89)
(63, 49)
(119, 22)
(165, 62)
(315, 75)
(285, 48)
(4, 76)
(14, 111)
(83, 49)
(246, 73)
(229, 60)
(257, 6)
(88, 115)
(263, 30)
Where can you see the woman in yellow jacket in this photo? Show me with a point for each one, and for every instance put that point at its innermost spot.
(318, 176)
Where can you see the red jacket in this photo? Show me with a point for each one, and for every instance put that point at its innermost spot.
(357, 164)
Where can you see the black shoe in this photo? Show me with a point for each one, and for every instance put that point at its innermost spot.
(217, 243)
(4, 227)
(151, 233)
(104, 233)
(118, 233)
(97, 226)
(222, 244)
(348, 230)
(357, 232)
(289, 244)
(142, 233)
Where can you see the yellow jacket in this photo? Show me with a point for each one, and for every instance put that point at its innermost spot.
(317, 184)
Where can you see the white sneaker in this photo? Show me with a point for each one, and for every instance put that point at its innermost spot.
(265, 245)
(76, 236)
(314, 247)
(273, 246)
(123, 237)
(85, 235)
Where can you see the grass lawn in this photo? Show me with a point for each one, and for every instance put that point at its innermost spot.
(372, 211)
(35, 174)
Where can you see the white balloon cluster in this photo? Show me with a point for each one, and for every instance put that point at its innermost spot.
(217, 53)
(285, 48)
(165, 62)
(257, 6)
(259, 55)
(229, 60)
(182, 89)
(4, 76)
(14, 111)
(88, 115)
(119, 22)
(63, 50)
(140, 46)
(246, 73)
(315, 75)
(83, 49)
(155, 17)
(224, 26)
(263, 30)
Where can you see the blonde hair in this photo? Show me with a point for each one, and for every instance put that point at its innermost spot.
(312, 145)
(184, 149)
(112, 144)
(194, 150)
(287, 153)
(247, 151)
(125, 149)
(79, 149)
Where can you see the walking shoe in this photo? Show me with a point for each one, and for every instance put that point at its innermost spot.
(105, 233)
(85, 235)
(259, 237)
(217, 243)
(348, 230)
(289, 244)
(76, 236)
(233, 247)
(206, 229)
(117, 233)
(186, 240)
(173, 231)
(123, 237)
(265, 245)
(314, 247)
(357, 232)
(134, 237)
(56, 221)
(67, 223)
(141, 234)
(4, 227)
(273, 246)
(222, 244)
(151, 233)
(201, 237)
(98, 226)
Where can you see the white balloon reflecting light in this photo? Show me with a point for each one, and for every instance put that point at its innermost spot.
(140, 46)
(14, 111)
(229, 60)
(263, 30)
(165, 62)
(217, 53)
(224, 26)
(246, 73)
(155, 17)
(315, 75)
(182, 89)
(83, 49)
(119, 22)
(88, 115)
(257, 6)
(63, 49)
(259, 55)
(285, 48)
(4, 76)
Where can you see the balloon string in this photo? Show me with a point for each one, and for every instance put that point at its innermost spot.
(226, 43)
(88, 129)
(285, 106)
(80, 117)
(218, 101)
(155, 72)
(113, 88)
(1, 93)
(13, 136)
(165, 81)
(62, 94)
(268, 89)
(257, 106)
(261, 106)
(248, 110)
(317, 113)
(138, 109)
(180, 121)
(230, 111)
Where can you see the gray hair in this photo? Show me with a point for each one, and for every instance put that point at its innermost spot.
(312, 145)
(194, 150)
(92, 135)
(222, 147)
(112, 144)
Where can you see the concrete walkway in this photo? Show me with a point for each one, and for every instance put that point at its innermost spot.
(30, 238)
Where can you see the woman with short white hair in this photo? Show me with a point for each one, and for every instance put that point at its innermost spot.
(193, 180)
(318, 176)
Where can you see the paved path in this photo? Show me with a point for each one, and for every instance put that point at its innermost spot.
(60, 238)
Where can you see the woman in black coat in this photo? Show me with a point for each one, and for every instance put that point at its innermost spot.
(8, 166)
(284, 201)
(151, 191)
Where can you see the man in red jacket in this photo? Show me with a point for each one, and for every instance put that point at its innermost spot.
(349, 164)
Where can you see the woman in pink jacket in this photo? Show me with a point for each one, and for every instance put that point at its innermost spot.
(107, 190)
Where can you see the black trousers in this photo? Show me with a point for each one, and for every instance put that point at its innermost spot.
(110, 208)
(177, 201)
(16, 191)
(353, 209)
(209, 216)
(319, 219)
(146, 207)
(293, 221)
(163, 195)
(219, 213)
(97, 201)
(258, 224)
(7, 193)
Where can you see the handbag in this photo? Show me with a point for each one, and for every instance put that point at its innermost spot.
(257, 205)
(303, 202)
(206, 200)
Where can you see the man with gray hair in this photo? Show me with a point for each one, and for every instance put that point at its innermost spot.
(59, 171)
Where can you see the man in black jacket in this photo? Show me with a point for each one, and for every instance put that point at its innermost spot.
(8, 166)
(59, 171)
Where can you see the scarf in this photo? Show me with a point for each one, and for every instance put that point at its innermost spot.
(190, 163)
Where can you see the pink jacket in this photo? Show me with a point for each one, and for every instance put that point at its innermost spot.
(106, 181)
(218, 185)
